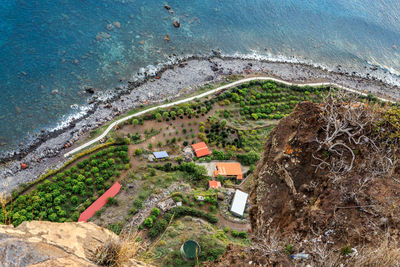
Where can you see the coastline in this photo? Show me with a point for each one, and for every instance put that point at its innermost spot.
(176, 80)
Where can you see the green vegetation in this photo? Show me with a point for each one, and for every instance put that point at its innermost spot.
(176, 213)
(57, 198)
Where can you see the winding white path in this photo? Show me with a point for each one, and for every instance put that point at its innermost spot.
(112, 125)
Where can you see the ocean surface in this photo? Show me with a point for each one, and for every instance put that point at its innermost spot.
(51, 50)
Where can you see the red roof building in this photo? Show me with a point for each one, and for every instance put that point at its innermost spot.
(214, 184)
(99, 203)
(201, 149)
(229, 169)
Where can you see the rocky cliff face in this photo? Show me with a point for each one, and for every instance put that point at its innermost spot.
(52, 244)
(327, 219)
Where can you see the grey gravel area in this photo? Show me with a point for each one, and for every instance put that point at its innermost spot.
(180, 79)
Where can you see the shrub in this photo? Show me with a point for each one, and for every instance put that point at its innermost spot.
(115, 227)
(138, 151)
(148, 222)
(112, 201)
(289, 249)
(346, 250)
(235, 233)
(138, 203)
(155, 212)
(158, 227)
(248, 158)
(242, 234)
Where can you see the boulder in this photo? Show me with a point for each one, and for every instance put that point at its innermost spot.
(167, 7)
(176, 24)
(166, 38)
(89, 90)
(117, 24)
(50, 244)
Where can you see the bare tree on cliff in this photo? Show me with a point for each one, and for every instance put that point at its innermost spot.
(347, 127)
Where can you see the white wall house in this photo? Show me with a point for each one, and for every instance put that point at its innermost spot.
(239, 203)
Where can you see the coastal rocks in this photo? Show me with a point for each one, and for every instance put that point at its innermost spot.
(166, 38)
(167, 7)
(102, 35)
(54, 92)
(89, 90)
(176, 24)
(117, 24)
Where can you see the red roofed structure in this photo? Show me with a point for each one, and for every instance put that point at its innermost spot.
(99, 203)
(214, 184)
(201, 149)
(229, 169)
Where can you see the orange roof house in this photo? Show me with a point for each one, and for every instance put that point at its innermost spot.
(229, 169)
(214, 184)
(201, 149)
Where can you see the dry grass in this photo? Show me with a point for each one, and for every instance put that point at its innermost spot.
(118, 251)
(6, 211)
(386, 254)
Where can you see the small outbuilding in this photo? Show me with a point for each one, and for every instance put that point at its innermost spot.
(229, 170)
(214, 184)
(239, 203)
(201, 149)
(190, 250)
(160, 154)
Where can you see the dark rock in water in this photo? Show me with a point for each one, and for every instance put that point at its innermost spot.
(167, 7)
(18, 109)
(216, 53)
(176, 24)
(89, 90)
(210, 78)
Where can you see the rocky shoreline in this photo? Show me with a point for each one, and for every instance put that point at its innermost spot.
(171, 81)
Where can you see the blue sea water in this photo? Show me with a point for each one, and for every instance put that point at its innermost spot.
(51, 50)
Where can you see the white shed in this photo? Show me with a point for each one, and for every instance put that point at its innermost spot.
(239, 203)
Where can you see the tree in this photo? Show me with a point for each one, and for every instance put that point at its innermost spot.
(135, 122)
(148, 222)
(180, 112)
(249, 158)
(223, 123)
(173, 114)
(138, 151)
(158, 116)
(165, 115)
(155, 212)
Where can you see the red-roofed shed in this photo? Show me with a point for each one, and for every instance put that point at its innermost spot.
(214, 184)
(99, 203)
(201, 149)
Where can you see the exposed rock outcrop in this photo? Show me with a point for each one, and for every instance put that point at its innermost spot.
(52, 244)
(317, 213)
